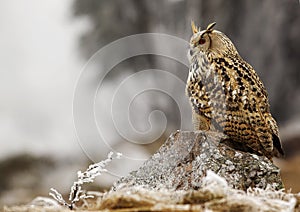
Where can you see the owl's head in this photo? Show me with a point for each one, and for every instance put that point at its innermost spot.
(210, 41)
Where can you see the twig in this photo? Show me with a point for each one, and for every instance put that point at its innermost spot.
(87, 176)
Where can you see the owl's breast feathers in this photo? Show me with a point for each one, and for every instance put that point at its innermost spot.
(227, 93)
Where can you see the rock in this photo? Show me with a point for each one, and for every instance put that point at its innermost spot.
(184, 159)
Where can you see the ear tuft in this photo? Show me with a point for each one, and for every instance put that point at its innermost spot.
(194, 28)
(210, 26)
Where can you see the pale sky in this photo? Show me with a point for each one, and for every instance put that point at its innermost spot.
(40, 64)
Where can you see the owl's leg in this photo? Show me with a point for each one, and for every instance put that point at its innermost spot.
(200, 122)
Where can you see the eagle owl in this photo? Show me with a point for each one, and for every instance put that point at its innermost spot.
(227, 95)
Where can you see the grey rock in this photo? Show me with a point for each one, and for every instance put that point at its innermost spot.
(184, 159)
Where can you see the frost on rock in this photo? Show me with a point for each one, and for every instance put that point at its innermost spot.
(214, 195)
(185, 158)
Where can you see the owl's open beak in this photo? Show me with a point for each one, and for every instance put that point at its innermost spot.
(194, 28)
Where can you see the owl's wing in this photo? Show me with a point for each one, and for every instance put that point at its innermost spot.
(260, 117)
(267, 122)
(248, 120)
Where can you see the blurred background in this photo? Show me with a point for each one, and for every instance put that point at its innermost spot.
(45, 45)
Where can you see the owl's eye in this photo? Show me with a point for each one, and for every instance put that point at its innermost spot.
(202, 41)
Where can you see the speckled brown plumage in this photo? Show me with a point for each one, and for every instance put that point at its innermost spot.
(227, 95)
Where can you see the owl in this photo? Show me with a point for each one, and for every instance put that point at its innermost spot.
(227, 95)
